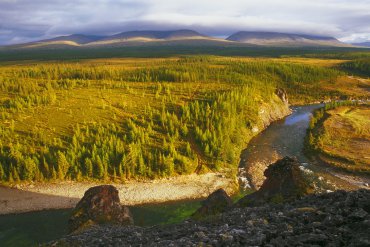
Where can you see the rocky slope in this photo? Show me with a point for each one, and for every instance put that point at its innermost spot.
(334, 219)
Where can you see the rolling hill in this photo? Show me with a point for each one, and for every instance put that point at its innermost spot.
(173, 37)
(284, 39)
(185, 37)
(61, 41)
(77, 38)
(156, 35)
(130, 38)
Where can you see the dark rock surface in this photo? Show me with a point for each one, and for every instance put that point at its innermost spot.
(334, 219)
(216, 203)
(100, 205)
(284, 181)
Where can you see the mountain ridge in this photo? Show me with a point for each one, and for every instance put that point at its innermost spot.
(186, 36)
(78, 38)
(152, 34)
(283, 39)
(362, 44)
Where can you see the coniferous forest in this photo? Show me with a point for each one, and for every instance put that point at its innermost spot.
(122, 119)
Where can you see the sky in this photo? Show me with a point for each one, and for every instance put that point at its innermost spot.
(29, 20)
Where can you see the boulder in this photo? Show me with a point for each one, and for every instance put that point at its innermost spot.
(284, 181)
(99, 205)
(216, 203)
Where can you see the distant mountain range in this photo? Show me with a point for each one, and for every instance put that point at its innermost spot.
(186, 37)
(74, 38)
(363, 44)
(284, 39)
(156, 35)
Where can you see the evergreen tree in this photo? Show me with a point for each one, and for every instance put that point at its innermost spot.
(99, 168)
(62, 164)
(28, 169)
(88, 168)
(2, 172)
(189, 152)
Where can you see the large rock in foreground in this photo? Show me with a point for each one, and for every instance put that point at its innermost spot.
(100, 205)
(216, 203)
(285, 181)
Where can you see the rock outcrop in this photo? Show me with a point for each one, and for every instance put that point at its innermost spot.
(281, 93)
(99, 205)
(334, 219)
(216, 203)
(284, 182)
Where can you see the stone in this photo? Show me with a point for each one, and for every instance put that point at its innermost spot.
(216, 203)
(285, 181)
(358, 214)
(99, 205)
(314, 220)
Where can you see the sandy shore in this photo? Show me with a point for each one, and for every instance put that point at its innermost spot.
(39, 196)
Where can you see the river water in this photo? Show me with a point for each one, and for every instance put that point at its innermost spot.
(281, 138)
(286, 138)
(31, 229)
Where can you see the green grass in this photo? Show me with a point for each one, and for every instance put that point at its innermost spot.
(164, 51)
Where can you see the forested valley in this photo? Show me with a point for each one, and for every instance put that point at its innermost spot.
(123, 119)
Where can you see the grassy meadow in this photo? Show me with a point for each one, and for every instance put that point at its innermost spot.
(119, 119)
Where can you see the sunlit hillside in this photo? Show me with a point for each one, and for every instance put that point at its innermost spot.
(119, 119)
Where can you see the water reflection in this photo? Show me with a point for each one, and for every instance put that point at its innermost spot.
(291, 120)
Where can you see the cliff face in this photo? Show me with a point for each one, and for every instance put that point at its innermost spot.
(334, 219)
(276, 109)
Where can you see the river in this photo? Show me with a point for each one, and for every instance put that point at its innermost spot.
(30, 229)
(286, 138)
(281, 138)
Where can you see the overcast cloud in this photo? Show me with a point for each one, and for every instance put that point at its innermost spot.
(29, 20)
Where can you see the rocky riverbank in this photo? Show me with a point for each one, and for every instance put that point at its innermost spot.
(283, 212)
(334, 219)
(40, 196)
(29, 197)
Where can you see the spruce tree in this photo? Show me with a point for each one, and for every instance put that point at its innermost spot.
(2, 172)
(62, 164)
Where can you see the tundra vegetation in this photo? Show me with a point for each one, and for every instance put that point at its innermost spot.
(340, 132)
(121, 119)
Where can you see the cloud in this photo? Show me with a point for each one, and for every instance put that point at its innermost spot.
(25, 20)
